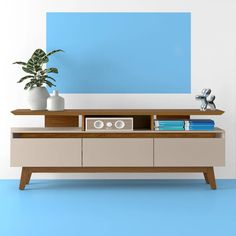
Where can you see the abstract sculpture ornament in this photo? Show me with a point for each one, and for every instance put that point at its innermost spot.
(206, 100)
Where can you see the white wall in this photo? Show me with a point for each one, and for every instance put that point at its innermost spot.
(22, 30)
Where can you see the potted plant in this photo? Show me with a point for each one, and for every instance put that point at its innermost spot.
(37, 78)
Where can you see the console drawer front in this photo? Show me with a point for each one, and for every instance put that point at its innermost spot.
(189, 152)
(45, 152)
(117, 152)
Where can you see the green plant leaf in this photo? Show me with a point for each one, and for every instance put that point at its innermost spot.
(38, 68)
(51, 70)
(25, 69)
(39, 57)
(45, 59)
(20, 63)
(25, 77)
(50, 84)
(38, 82)
(29, 85)
(38, 54)
(49, 77)
(42, 72)
(30, 64)
(54, 51)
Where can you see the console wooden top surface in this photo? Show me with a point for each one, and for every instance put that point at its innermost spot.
(76, 112)
(78, 133)
(79, 130)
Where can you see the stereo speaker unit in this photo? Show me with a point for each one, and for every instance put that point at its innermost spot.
(109, 124)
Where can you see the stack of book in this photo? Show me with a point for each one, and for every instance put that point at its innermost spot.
(192, 124)
(201, 124)
(169, 124)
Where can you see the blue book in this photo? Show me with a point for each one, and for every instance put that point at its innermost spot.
(204, 128)
(171, 125)
(212, 124)
(169, 128)
(169, 122)
(201, 125)
(201, 121)
(198, 124)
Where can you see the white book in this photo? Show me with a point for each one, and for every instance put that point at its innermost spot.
(186, 123)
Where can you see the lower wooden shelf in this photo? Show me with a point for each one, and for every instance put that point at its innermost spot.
(208, 172)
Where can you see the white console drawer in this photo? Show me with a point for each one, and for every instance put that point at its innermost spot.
(189, 152)
(117, 152)
(45, 152)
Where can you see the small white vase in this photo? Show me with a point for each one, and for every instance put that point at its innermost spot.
(55, 102)
(37, 98)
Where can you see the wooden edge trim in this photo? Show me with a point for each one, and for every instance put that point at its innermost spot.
(115, 135)
(116, 169)
(76, 112)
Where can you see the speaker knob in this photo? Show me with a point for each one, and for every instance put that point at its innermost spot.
(109, 124)
(98, 124)
(119, 124)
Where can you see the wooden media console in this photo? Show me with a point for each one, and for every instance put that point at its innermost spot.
(63, 146)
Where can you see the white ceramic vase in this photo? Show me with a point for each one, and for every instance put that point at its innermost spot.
(55, 102)
(37, 98)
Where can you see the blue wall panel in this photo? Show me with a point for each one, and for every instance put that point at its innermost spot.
(121, 52)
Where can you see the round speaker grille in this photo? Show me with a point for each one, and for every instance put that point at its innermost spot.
(120, 124)
(98, 124)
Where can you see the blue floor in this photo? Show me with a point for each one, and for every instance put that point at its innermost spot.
(117, 208)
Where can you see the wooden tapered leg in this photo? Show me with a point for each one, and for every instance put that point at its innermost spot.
(28, 177)
(206, 178)
(211, 177)
(24, 178)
